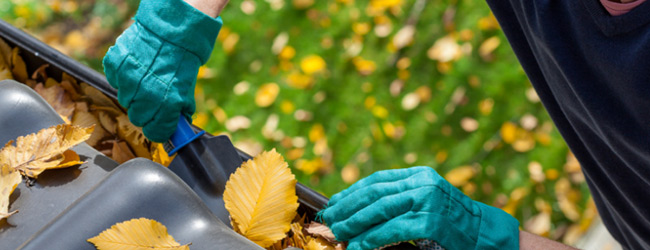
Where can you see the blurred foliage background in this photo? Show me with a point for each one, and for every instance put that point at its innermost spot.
(344, 88)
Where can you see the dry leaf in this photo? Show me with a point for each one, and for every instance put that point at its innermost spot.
(107, 122)
(9, 180)
(121, 152)
(57, 98)
(18, 68)
(133, 136)
(261, 198)
(70, 158)
(318, 244)
(85, 119)
(98, 98)
(5, 53)
(136, 234)
(320, 230)
(35, 153)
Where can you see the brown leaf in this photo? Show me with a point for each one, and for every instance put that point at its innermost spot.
(57, 98)
(107, 122)
(121, 152)
(97, 97)
(86, 119)
(5, 53)
(320, 230)
(35, 153)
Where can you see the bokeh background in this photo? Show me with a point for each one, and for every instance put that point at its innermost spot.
(344, 88)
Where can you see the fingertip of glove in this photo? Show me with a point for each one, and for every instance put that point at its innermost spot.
(156, 134)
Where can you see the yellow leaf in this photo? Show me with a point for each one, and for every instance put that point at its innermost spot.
(267, 94)
(312, 64)
(460, 175)
(35, 153)
(318, 244)
(261, 198)
(159, 155)
(18, 69)
(70, 158)
(365, 67)
(299, 81)
(9, 180)
(316, 132)
(85, 119)
(303, 4)
(136, 234)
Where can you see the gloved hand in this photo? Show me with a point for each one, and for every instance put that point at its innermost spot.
(154, 64)
(416, 203)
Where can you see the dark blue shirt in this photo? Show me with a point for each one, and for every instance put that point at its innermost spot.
(592, 73)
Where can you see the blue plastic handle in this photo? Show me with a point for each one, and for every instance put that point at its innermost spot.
(184, 135)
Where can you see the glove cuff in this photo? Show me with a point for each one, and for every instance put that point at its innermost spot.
(177, 22)
(498, 229)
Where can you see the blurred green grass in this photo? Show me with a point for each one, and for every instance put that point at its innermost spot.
(451, 96)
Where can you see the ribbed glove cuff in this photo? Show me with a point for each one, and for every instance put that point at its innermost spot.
(177, 22)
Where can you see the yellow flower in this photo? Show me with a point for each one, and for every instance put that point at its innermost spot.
(312, 64)
(267, 94)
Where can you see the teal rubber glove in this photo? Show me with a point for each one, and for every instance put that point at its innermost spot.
(154, 64)
(414, 204)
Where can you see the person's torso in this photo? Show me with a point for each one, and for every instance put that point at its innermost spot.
(591, 71)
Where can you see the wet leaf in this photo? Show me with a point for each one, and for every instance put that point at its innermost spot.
(35, 153)
(9, 180)
(137, 234)
(261, 198)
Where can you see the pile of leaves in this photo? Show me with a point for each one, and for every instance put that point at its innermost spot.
(83, 105)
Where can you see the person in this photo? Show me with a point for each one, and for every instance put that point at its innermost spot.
(587, 60)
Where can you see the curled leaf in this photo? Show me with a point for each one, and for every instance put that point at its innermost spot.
(136, 234)
(261, 198)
